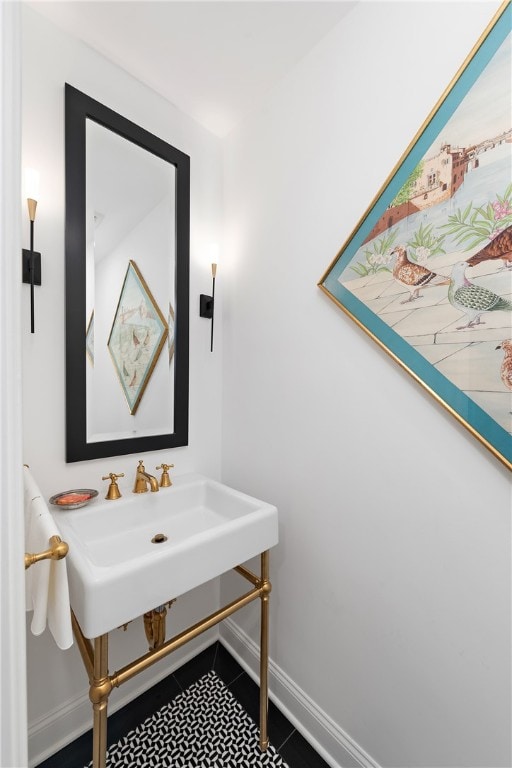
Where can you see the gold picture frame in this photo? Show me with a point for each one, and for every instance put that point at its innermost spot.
(427, 271)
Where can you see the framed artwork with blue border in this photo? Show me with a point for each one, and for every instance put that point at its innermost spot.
(427, 271)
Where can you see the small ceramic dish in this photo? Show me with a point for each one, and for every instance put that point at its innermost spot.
(74, 499)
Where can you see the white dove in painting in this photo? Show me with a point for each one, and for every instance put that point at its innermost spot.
(473, 299)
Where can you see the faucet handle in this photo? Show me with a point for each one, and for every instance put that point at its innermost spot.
(113, 491)
(165, 481)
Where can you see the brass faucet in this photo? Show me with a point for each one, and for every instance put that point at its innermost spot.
(142, 478)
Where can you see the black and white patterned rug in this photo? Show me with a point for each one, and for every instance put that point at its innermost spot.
(203, 727)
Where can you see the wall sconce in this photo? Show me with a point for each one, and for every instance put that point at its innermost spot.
(207, 303)
(31, 260)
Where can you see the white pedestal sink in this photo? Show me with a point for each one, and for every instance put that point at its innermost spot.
(116, 572)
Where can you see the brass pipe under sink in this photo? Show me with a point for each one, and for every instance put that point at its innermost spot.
(154, 626)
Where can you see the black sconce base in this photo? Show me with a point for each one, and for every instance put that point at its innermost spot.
(26, 261)
(205, 306)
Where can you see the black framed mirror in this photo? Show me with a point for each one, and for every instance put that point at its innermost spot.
(127, 285)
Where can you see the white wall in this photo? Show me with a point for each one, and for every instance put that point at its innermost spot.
(57, 682)
(13, 699)
(391, 600)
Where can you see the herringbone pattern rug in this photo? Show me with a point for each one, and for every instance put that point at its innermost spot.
(203, 727)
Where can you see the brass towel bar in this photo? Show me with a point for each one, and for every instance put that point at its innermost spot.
(57, 551)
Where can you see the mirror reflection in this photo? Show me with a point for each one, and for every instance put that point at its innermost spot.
(130, 291)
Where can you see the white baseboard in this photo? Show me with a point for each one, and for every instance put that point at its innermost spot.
(50, 733)
(331, 742)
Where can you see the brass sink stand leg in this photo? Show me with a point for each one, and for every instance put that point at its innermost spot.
(265, 592)
(99, 692)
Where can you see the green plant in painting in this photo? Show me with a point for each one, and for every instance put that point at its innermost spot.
(474, 226)
(425, 243)
(406, 191)
(377, 257)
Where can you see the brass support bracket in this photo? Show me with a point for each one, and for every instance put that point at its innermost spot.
(85, 648)
(96, 660)
(249, 575)
(150, 658)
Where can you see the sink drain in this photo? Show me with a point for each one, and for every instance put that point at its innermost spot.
(158, 538)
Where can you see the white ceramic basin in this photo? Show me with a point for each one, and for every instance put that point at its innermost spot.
(115, 571)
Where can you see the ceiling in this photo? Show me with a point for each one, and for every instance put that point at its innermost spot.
(214, 60)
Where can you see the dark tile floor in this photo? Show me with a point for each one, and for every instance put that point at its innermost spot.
(292, 747)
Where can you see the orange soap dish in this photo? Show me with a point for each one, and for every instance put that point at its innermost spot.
(78, 497)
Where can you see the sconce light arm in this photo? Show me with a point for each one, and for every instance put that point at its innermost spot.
(207, 304)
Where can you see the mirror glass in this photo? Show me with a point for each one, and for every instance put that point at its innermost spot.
(130, 217)
(127, 222)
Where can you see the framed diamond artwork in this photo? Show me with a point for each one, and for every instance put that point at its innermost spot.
(139, 332)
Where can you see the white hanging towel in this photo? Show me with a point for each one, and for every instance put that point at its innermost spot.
(47, 591)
